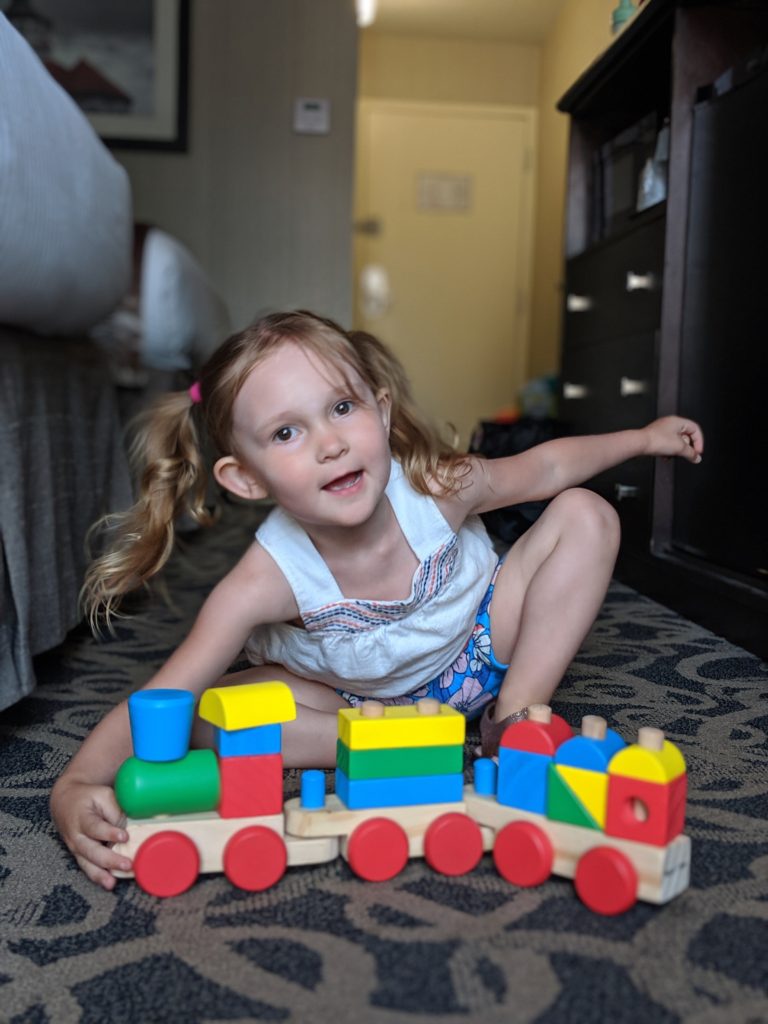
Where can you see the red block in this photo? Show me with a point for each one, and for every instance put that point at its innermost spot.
(648, 812)
(537, 737)
(251, 785)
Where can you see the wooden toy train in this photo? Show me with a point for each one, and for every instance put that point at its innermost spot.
(587, 806)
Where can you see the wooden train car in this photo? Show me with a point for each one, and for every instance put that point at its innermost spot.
(588, 807)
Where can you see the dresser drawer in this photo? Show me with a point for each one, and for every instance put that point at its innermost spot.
(614, 289)
(610, 385)
(607, 386)
(629, 488)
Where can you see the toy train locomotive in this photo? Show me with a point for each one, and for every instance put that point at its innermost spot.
(586, 806)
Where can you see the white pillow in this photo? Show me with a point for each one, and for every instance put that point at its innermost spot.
(183, 319)
(65, 203)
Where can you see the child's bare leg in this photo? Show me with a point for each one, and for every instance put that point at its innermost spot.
(310, 740)
(548, 593)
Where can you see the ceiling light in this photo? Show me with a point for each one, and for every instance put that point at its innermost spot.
(366, 12)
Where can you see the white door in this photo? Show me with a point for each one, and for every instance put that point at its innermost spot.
(443, 210)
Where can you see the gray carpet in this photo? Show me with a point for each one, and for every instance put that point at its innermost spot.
(323, 946)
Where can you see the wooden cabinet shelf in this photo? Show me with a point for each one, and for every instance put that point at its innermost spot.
(662, 307)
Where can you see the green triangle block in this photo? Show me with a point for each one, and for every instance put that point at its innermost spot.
(564, 805)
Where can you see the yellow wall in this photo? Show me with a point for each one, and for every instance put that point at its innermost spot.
(449, 70)
(445, 70)
(460, 76)
(581, 33)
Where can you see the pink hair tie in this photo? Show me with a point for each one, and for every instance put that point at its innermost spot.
(195, 393)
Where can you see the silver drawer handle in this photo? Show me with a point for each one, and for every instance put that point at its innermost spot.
(640, 282)
(628, 386)
(623, 491)
(574, 390)
(578, 303)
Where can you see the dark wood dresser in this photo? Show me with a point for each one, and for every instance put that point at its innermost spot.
(665, 297)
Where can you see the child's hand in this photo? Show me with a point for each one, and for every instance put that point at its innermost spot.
(673, 435)
(88, 817)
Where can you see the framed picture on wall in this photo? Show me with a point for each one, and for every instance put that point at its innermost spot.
(125, 63)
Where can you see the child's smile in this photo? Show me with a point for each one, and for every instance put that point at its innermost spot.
(344, 483)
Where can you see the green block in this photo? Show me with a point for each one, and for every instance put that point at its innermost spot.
(191, 784)
(564, 805)
(399, 761)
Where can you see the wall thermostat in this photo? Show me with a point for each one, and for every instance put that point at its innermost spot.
(312, 116)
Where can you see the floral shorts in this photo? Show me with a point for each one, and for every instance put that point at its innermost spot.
(471, 682)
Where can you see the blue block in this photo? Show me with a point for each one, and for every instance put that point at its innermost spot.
(260, 739)
(486, 776)
(583, 752)
(161, 723)
(400, 791)
(312, 789)
(523, 780)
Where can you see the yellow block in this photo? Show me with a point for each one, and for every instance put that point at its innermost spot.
(590, 787)
(243, 707)
(636, 762)
(401, 726)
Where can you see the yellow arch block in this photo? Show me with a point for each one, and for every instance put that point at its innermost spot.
(590, 787)
(248, 705)
(401, 726)
(636, 762)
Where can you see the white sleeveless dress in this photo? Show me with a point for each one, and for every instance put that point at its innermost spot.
(379, 648)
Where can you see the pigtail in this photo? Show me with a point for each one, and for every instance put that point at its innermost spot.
(169, 466)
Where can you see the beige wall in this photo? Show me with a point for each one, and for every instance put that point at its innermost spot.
(447, 70)
(582, 31)
(455, 275)
(267, 212)
(459, 80)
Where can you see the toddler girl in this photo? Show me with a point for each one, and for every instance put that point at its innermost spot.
(373, 576)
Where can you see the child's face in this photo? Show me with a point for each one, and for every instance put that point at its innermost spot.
(306, 441)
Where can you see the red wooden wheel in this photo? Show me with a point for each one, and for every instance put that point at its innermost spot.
(523, 854)
(453, 844)
(166, 864)
(606, 881)
(255, 858)
(378, 850)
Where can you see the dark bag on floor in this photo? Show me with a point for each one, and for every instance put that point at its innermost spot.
(495, 440)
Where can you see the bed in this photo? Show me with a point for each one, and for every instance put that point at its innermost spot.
(65, 255)
(97, 315)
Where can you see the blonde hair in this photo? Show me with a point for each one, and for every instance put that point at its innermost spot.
(167, 451)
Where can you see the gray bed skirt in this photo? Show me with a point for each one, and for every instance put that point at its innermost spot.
(62, 465)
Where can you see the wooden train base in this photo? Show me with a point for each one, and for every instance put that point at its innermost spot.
(587, 807)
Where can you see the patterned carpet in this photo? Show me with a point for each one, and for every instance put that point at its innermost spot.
(323, 946)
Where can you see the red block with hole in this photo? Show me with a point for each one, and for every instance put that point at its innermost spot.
(647, 812)
(251, 785)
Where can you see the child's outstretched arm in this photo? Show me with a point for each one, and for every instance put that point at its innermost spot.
(83, 804)
(551, 467)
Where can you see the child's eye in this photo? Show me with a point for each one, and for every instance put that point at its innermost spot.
(343, 408)
(284, 434)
